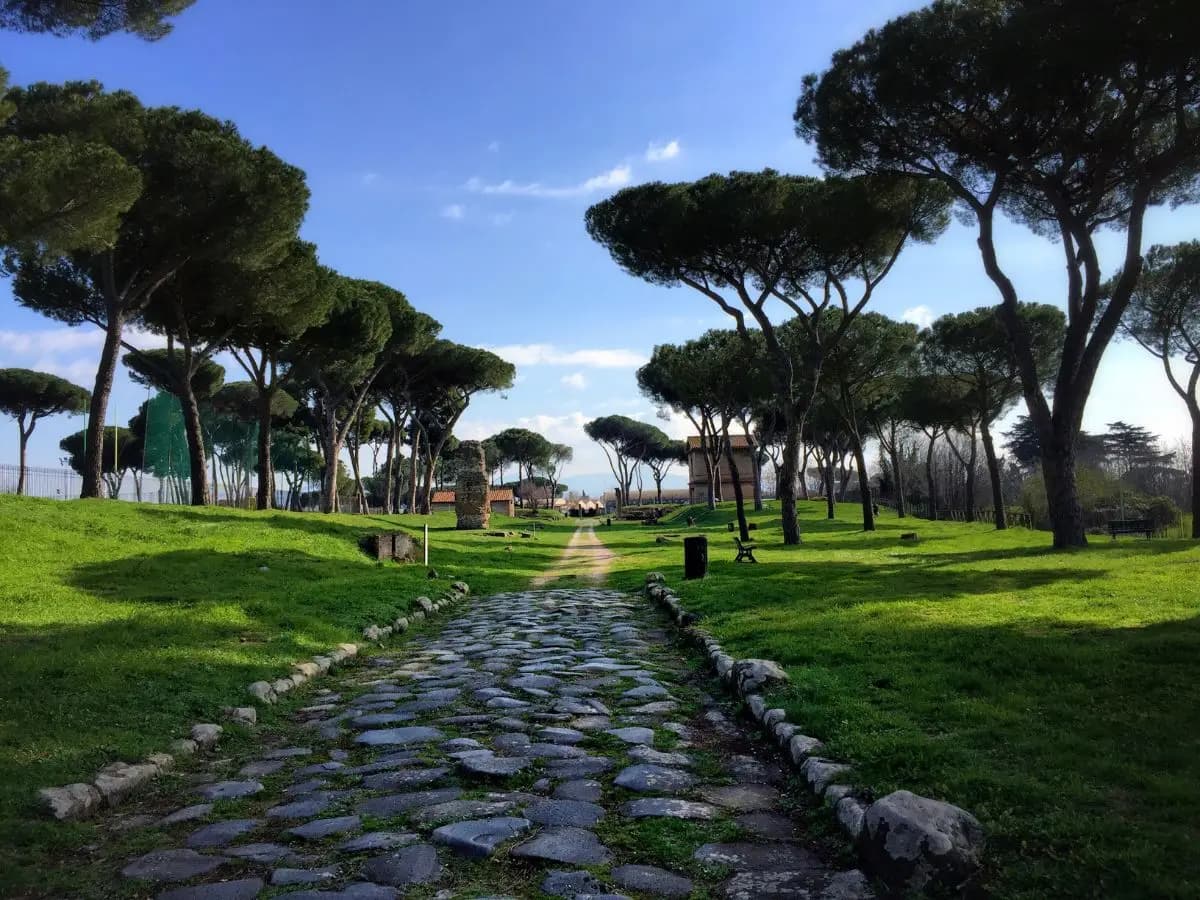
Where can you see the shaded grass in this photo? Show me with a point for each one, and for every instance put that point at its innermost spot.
(121, 624)
(1052, 694)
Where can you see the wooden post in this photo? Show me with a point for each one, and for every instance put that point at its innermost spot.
(695, 556)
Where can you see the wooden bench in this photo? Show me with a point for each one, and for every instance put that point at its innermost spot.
(1131, 526)
(745, 551)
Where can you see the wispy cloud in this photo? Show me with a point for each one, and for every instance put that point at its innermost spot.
(550, 355)
(51, 341)
(500, 218)
(616, 177)
(658, 152)
(493, 147)
(921, 316)
(369, 178)
(576, 381)
(453, 211)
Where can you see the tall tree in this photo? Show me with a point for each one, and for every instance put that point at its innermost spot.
(120, 451)
(661, 457)
(28, 396)
(860, 377)
(972, 349)
(1164, 318)
(527, 449)
(1071, 117)
(335, 363)
(624, 442)
(92, 18)
(552, 468)
(753, 243)
(264, 310)
(207, 195)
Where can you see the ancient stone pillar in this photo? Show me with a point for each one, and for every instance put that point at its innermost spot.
(471, 490)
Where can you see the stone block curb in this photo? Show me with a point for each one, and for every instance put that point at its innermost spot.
(910, 842)
(118, 780)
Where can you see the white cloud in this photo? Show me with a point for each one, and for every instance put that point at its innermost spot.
(921, 316)
(500, 218)
(618, 176)
(453, 211)
(369, 178)
(659, 152)
(49, 342)
(575, 380)
(493, 147)
(550, 355)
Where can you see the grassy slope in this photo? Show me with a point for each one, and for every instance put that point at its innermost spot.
(1053, 694)
(121, 624)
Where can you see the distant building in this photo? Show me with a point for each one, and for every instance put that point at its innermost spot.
(500, 499)
(698, 473)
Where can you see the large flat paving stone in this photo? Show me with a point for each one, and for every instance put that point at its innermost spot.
(769, 857)
(394, 804)
(242, 889)
(564, 812)
(399, 737)
(172, 865)
(230, 790)
(218, 834)
(651, 779)
(669, 808)
(417, 864)
(574, 846)
(480, 838)
(652, 880)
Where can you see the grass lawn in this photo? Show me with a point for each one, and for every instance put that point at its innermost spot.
(1052, 694)
(121, 624)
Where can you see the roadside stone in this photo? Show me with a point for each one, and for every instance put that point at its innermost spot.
(417, 864)
(915, 843)
(172, 865)
(820, 773)
(230, 790)
(118, 780)
(652, 880)
(654, 779)
(752, 675)
(479, 838)
(801, 747)
(851, 815)
(668, 807)
(574, 846)
(72, 801)
(206, 734)
(241, 715)
(242, 889)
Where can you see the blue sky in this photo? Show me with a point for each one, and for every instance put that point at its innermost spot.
(452, 151)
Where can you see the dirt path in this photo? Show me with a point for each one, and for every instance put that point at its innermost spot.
(585, 556)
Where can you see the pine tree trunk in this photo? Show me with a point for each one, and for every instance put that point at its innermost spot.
(864, 485)
(1195, 472)
(932, 485)
(329, 501)
(21, 461)
(413, 457)
(897, 480)
(265, 498)
(786, 489)
(1062, 491)
(195, 441)
(739, 499)
(830, 503)
(993, 466)
(93, 455)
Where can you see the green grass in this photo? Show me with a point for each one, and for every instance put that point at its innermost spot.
(121, 624)
(1052, 694)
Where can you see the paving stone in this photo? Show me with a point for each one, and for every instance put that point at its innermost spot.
(319, 829)
(633, 734)
(659, 757)
(459, 810)
(564, 812)
(479, 838)
(561, 883)
(230, 790)
(187, 814)
(741, 797)
(242, 889)
(362, 890)
(769, 826)
(578, 768)
(393, 804)
(583, 789)
(654, 779)
(281, 877)
(218, 834)
(260, 853)
(409, 778)
(815, 884)
(652, 880)
(261, 768)
(402, 737)
(301, 809)
(740, 855)
(574, 846)
(172, 865)
(377, 840)
(668, 807)
(494, 766)
(372, 720)
(417, 864)
(560, 735)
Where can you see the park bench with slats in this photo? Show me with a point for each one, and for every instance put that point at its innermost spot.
(1131, 526)
(745, 550)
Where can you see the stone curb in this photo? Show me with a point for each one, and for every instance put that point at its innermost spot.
(910, 842)
(118, 780)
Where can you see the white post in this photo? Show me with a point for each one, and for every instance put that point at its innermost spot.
(426, 544)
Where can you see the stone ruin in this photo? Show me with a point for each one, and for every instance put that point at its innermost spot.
(471, 490)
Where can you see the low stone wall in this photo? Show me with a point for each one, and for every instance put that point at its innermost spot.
(118, 780)
(912, 843)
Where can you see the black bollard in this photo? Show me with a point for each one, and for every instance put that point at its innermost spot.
(695, 556)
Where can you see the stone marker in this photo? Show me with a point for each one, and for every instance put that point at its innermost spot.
(471, 488)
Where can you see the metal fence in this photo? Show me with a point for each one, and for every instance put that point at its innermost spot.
(66, 484)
